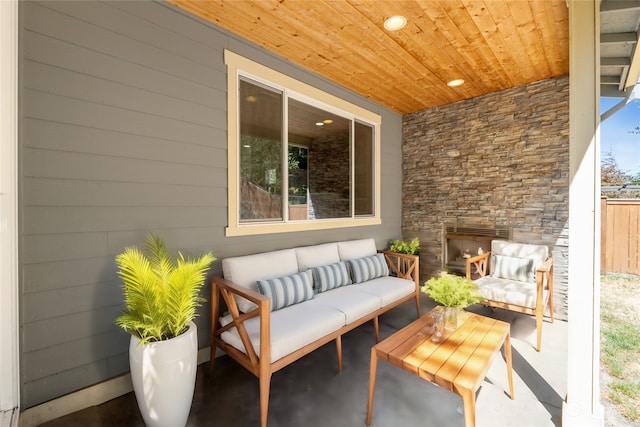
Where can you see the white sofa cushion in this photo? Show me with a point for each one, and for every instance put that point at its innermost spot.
(389, 289)
(288, 290)
(291, 328)
(509, 291)
(350, 301)
(327, 277)
(317, 255)
(247, 270)
(351, 249)
(371, 267)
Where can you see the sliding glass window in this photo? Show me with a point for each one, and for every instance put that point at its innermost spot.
(301, 162)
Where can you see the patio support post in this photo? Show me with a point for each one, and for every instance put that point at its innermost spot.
(582, 406)
(9, 356)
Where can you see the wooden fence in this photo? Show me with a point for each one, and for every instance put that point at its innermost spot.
(620, 240)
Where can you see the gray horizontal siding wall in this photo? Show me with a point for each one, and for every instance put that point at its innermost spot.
(123, 131)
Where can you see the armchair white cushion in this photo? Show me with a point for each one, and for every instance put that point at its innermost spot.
(509, 291)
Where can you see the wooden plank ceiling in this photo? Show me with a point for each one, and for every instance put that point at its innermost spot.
(491, 44)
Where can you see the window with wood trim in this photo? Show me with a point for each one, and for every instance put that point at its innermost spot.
(299, 158)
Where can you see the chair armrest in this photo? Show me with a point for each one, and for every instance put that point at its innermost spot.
(404, 265)
(481, 262)
(544, 275)
(544, 279)
(546, 266)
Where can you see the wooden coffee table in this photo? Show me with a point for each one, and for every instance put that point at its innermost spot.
(458, 364)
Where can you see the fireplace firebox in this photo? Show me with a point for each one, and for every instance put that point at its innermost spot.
(461, 241)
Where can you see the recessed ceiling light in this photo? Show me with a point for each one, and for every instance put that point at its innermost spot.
(319, 124)
(395, 23)
(327, 121)
(456, 82)
(251, 98)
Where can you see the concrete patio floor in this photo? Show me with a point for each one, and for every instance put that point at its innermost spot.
(311, 392)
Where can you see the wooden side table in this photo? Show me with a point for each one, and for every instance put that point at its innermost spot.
(458, 364)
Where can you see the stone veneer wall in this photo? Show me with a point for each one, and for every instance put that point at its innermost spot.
(498, 159)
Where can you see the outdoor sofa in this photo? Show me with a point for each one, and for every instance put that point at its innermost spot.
(282, 305)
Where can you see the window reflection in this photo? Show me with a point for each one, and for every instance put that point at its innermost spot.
(260, 152)
(329, 168)
(327, 137)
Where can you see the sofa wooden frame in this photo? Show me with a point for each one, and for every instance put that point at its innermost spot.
(400, 265)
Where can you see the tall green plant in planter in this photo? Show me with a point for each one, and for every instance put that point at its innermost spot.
(161, 296)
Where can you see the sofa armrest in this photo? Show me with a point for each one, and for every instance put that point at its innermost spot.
(404, 265)
(228, 290)
(253, 296)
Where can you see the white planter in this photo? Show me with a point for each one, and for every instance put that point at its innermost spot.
(164, 375)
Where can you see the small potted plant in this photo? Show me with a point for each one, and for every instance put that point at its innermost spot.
(161, 296)
(453, 293)
(404, 247)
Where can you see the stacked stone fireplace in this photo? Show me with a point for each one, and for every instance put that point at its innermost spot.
(462, 241)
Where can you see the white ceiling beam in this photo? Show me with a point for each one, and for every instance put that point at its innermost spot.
(616, 38)
(609, 91)
(610, 80)
(616, 6)
(629, 96)
(633, 73)
(620, 61)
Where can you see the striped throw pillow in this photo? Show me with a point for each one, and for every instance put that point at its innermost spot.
(331, 276)
(513, 268)
(288, 290)
(363, 269)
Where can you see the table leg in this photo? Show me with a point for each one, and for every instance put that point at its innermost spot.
(507, 355)
(373, 369)
(469, 401)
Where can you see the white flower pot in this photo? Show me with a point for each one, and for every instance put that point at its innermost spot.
(164, 376)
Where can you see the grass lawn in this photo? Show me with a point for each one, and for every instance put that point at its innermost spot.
(620, 349)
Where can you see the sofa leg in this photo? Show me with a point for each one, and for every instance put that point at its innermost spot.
(539, 318)
(339, 352)
(376, 329)
(212, 359)
(265, 385)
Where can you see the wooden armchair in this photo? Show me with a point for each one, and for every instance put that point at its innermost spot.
(516, 277)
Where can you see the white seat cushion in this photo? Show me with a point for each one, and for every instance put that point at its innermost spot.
(353, 303)
(291, 328)
(389, 289)
(509, 291)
